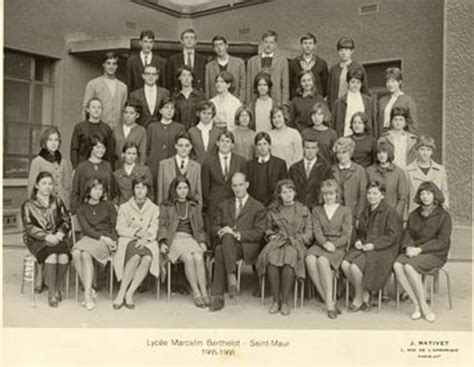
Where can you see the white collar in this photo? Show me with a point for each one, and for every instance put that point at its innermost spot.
(203, 127)
(148, 88)
(142, 55)
(243, 200)
(222, 156)
(268, 55)
(264, 159)
(345, 166)
(166, 122)
(311, 162)
(223, 62)
(187, 52)
(179, 159)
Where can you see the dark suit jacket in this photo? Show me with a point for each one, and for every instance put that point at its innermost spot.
(319, 69)
(276, 171)
(250, 224)
(198, 153)
(307, 189)
(176, 61)
(147, 116)
(215, 188)
(339, 113)
(236, 67)
(135, 71)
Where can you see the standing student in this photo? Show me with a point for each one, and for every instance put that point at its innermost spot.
(369, 262)
(424, 168)
(187, 99)
(244, 133)
(306, 97)
(320, 131)
(308, 61)
(351, 102)
(402, 141)
(225, 62)
(288, 233)
(263, 104)
(180, 165)
(130, 132)
(97, 217)
(136, 63)
(226, 103)
(189, 57)
(108, 89)
(309, 173)
(182, 237)
(46, 225)
(286, 141)
(81, 140)
(338, 83)
(161, 137)
(127, 172)
(204, 134)
(264, 170)
(395, 98)
(365, 143)
(149, 96)
(137, 247)
(94, 166)
(217, 171)
(275, 65)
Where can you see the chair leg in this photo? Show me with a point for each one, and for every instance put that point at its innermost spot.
(296, 294)
(347, 294)
(448, 286)
(397, 293)
(262, 290)
(169, 281)
(77, 286)
(334, 288)
(111, 278)
(436, 282)
(68, 276)
(302, 293)
(432, 292)
(239, 269)
(379, 305)
(23, 278)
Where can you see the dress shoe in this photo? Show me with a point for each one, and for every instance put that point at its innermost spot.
(59, 296)
(332, 314)
(430, 317)
(207, 301)
(365, 307)
(217, 303)
(118, 306)
(89, 306)
(354, 308)
(53, 301)
(199, 302)
(130, 306)
(416, 315)
(257, 293)
(232, 291)
(338, 310)
(285, 309)
(274, 309)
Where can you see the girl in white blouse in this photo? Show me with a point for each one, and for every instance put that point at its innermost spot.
(226, 103)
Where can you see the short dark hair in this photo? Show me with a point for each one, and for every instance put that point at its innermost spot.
(394, 73)
(46, 134)
(218, 38)
(385, 146)
(206, 105)
(270, 33)
(355, 73)
(398, 111)
(188, 30)
(438, 197)
(228, 78)
(324, 109)
(186, 68)
(92, 182)
(97, 138)
(147, 66)
(183, 135)
(134, 104)
(41, 175)
(265, 75)
(141, 179)
(226, 133)
(147, 33)
(165, 101)
(345, 42)
(310, 139)
(89, 103)
(239, 111)
(365, 120)
(109, 55)
(425, 141)
(279, 188)
(262, 135)
(308, 36)
(376, 184)
(128, 145)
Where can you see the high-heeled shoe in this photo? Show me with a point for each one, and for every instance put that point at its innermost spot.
(116, 306)
(89, 306)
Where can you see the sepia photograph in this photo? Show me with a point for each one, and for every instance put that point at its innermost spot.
(237, 182)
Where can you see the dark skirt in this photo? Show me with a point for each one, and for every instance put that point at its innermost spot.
(132, 251)
(334, 258)
(422, 263)
(357, 257)
(45, 251)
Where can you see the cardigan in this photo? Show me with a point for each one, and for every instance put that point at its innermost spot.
(123, 182)
(404, 101)
(337, 230)
(98, 220)
(340, 108)
(300, 111)
(287, 144)
(137, 135)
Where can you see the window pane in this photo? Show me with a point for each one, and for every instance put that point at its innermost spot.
(14, 167)
(376, 72)
(18, 65)
(17, 139)
(16, 101)
(44, 71)
(42, 105)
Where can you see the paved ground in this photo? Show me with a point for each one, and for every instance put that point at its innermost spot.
(20, 311)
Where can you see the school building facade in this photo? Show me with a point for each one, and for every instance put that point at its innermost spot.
(53, 47)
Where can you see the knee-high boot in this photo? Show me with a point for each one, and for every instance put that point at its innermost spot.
(60, 273)
(50, 275)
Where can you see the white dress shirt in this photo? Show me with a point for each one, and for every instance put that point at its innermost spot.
(150, 96)
(224, 159)
(180, 161)
(264, 159)
(388, 109)
(205, 132)
(185, 57)
(311, 165)
(149, 57)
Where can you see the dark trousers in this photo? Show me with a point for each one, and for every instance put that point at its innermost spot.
(226, 255)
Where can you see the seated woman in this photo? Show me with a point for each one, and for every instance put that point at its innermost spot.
(95, 166)
(97, 217)
(181, 235)
(289, 232)
(332, 228)
(368, 264)
(130, 170)
(137, 251)
(46, 224)
(425, 246)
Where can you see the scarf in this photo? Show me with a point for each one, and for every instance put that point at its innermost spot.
(52, 158)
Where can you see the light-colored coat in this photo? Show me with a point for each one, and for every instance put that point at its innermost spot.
(280, 91)
(130, 218)
(236, 67)
(112, 107)
(167, 173)
(411, 145)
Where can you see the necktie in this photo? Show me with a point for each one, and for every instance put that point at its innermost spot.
(239, 207)
(146, 60)
(189, 60)
(343, 82)
(226, 168)
(308, 169)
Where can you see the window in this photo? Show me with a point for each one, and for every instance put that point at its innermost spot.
(28, 108)
(376, 76)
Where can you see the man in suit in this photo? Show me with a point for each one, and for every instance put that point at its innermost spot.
(182, 165)
(239, 225)
(137, 62)
(217, 171)
(111, 91)
(308, 60)
(189, 57)
(225, 62)
(275, 64)
(309, 173)
(150, 96)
